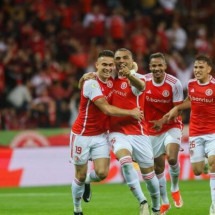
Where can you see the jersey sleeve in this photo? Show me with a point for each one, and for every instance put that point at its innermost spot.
(92, 90)
(178, 95)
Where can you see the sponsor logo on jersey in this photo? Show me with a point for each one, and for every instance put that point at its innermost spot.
(149, 92)
(165, 93)
(120, 93)
(149, 99)
(204, 100)
(192, 90)
(208, 92)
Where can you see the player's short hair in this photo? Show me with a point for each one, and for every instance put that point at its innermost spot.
(206, 59)
(125, 50)
(106, 53)
(157, 55)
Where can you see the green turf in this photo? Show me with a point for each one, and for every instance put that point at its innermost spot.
(108, 199)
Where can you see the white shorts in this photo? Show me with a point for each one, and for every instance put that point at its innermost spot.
(138, 145)
(159, 142)
(201, 147)
(83, 148)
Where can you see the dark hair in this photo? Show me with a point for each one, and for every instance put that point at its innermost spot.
(157, 55)
(124, 50)
(206, 59)
(106, 53)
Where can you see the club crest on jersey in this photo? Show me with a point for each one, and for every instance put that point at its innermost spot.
(123, 85)
(209, 92)
(165, 93)
(110, 84)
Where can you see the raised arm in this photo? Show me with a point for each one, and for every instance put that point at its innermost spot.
(134, 80)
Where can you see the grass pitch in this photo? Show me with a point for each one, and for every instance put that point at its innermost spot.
(107, 199)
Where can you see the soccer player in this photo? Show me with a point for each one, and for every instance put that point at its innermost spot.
(201, 100)
(162, 93)
(89, 132)
(127, 135)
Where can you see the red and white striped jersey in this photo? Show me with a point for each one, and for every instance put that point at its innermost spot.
(202, 117)
(91, 121)
(159, 100)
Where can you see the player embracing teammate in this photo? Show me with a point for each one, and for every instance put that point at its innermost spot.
(157, 136)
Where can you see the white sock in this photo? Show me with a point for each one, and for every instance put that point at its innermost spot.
(174, 175)
(152, 185)
(163, 191)
(131, 178)
(77, 193)
(212, 186)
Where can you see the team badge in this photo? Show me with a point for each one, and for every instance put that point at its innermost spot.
(123, 85)
(165, 93)
(209, 92)
(110, 84)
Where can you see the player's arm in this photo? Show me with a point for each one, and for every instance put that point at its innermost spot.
(111, 110)
(176, 111)
(158, 124)
(87, 76)
(171, 115)
(134, 80)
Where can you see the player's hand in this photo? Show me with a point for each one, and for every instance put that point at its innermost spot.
(138, 114)
(157, 124)
(90, 75)
(124, 71)
(172, 114)
(135, 66)
(87, 76)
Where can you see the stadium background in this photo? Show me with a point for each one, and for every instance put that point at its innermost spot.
(47, 45)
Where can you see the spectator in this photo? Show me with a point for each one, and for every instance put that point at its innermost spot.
(20, 96)
(177, 36)
(94, 23)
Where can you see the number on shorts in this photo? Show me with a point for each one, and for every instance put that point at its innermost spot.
(78, 149)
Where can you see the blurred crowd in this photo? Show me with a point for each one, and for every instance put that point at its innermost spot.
(47, 45)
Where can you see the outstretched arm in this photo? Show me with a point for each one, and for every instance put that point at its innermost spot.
(111, 110)
(171, 115)
(176, 111)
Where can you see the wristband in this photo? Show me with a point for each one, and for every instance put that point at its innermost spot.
(132, 71)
